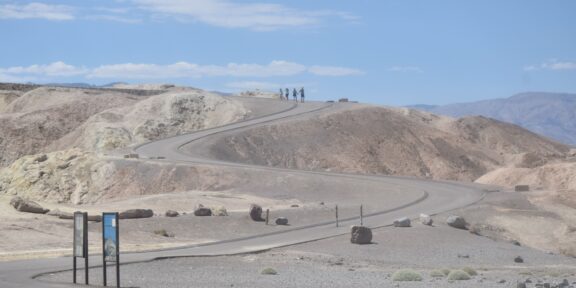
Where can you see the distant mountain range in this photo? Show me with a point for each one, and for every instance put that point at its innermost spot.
(550, 114)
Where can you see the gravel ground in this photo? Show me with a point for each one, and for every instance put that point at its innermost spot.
(337, 263)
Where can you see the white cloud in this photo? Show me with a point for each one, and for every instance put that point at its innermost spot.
(333, 71)
(177, 70)
(225, 13)
(249, 85)
(114, 18)
(406, 69)
(185, 69)
(58, 69)
(552, 64)
(36, 11)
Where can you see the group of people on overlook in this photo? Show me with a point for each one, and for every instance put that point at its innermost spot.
(285, 94)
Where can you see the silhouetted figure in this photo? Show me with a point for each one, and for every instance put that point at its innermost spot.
(287, 94)
(295, 95)
(302, 94)
(281, 94)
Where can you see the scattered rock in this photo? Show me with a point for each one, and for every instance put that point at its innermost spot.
(518, 260)
(564, 284)
(63, 166)
(426, 219)
(457, 222)
(136, 213)
(294, 205)
(521, 285)
(66, 215)
(202, 211)
(256, 212)
(522, 188)
(55, 213)
(171, 213)
(402, 222)
(361, 235)
(466, 256)
(95, 218)
(502, 281)
(281, 221)
(27, 206)
(219, 211)
(41, 158)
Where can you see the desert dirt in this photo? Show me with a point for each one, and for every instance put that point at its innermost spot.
(64, 148)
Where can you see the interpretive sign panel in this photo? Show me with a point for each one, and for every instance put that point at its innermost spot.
(80, 239)
(110, 238)
(110, 244)
(80, 245)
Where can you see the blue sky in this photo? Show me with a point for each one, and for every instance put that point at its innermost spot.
(392, 52)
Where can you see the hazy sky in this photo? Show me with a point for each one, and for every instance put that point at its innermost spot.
(393, 52)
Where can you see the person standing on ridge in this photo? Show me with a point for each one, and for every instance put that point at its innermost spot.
(287, 94)
(295, 95)
(302, 94)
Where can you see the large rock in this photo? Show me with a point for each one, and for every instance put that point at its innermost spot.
(219, 211)
(361, 235)
(256, 212)
(402, 222)
(136, 213)
(27, 206)
(456, 222)
(97, 218)
(426, 219)
(171, 213)
(202, 211)
(281, 221)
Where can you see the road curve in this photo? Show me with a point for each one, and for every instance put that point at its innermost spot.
(424, 196)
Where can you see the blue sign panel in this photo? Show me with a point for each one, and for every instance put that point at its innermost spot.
(110, 225)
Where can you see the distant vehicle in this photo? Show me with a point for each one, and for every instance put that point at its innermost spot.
(343, 100)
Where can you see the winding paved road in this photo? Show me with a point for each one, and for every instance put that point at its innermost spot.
(423, 197)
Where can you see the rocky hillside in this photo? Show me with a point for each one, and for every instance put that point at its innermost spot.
(55, 118)
(392, 142)
(154, 118)
(549, 114)
(36, 119)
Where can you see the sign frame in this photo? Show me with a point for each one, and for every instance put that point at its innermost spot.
(110, 235)
(80, 234)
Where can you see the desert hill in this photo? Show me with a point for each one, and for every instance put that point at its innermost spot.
(391, 141)
(550, 114)
(65, 148)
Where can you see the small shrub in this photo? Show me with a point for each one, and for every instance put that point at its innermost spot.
(268, 271)
(470, 271)
(163, 232)
(406, 275)
(446, 271)
(458, 275)
(437, 274)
